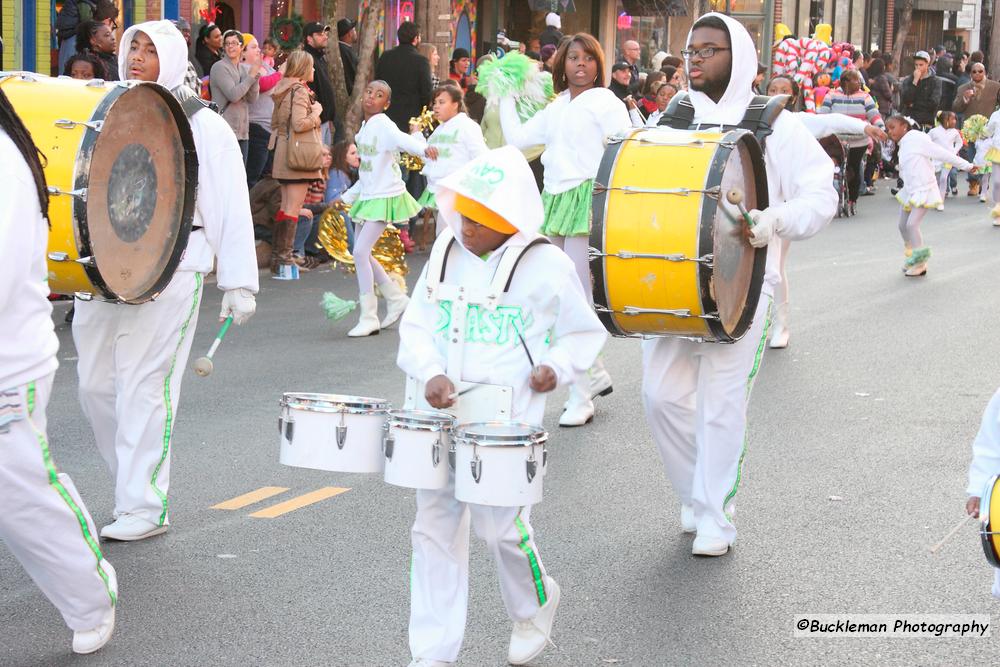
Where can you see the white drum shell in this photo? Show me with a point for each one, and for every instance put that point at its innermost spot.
(412, 463)
(503, 480)
(314, 440)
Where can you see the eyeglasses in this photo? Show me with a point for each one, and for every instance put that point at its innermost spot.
(704, 53)
(979, 71)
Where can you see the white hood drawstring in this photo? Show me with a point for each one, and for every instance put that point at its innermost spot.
(731, 107)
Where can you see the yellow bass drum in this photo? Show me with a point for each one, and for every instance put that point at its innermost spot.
(121, 168)
(669, 255)
(989, 509)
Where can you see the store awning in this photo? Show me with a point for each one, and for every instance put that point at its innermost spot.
(938, 5)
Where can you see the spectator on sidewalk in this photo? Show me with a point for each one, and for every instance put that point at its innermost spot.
(949, 82)
(880, 87)
(261, 110)
(347, 33)
(75, 12)
(235, 86)
(208, 48)
(193, 77)
(429, 51)
(552, 33)
(84, 66)
(408, 75)
(458, 70)
(96, 37)
(979, 96)
(631, 53)
(920, 93)
(317, 37)
(621, 80)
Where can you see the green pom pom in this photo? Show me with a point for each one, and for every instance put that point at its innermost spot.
(335, 307)
(974, 128)
(516, 75)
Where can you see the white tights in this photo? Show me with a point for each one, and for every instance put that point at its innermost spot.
(943, 182)
(577, 248)
(995, 184)
(368, 268)
(909, 226)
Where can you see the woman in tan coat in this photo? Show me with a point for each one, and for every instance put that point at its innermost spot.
(294, 111)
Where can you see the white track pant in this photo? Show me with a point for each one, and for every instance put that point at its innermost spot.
(439, 576)
(44, 522)
(696, 396)
(132, 359)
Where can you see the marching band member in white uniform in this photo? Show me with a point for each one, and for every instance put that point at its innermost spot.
(43, 520)
(493, 209)
(696, 394)
(985, 464)
(132, 357)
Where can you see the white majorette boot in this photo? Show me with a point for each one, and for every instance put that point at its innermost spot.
(368, 322)
(688, 522)
(529, 638)
(779, 327)
(129, 528)
(709, 546)
(600, 379)
(579, 408)
(89, 641)
(395, 303)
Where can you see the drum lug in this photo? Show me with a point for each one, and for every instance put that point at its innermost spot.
(58, 256)
(87, 261)
(84, 296)
(436, 452)
(451, 455)
(545, 456)
(289, 430)
(281, 425)
(388, 442)
(67, 124)
(79, 194)
(477, 465)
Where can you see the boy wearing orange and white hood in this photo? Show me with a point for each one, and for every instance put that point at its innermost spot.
(132, 357)
(492, 209)
(696, 394)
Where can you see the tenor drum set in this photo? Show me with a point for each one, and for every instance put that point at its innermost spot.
(121, 168)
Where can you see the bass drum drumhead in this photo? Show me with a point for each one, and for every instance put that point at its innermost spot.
(140, 192)
(736, 279)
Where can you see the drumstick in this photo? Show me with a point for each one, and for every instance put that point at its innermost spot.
(735, 197)
(526, 350)
(958, 526)
(464, 391)
(203, 366)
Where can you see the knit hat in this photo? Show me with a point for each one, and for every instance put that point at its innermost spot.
(459, 53)
(547, 52)
(552, 19)
(344, 26)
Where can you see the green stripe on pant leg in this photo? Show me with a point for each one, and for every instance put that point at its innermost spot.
(168, 426)
(753, 374)
(536, 572)
(54, 482)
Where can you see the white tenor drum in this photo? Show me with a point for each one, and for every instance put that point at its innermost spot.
(416, 448)
(499, 463)
(332, 432)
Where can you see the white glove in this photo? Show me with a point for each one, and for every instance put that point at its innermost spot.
(240, 303)
(765, 225)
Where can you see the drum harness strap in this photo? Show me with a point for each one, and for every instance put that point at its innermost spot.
(192, 105)
(758, 119)
(462, 297)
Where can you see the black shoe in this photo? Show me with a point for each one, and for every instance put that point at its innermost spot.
(69, 314)
(894, 191)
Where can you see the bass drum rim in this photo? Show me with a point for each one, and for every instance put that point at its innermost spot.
(706, 242)
(85, 155)
(986, 525)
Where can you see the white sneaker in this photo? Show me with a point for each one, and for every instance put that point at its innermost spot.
(982, 198)
(425, 662)
(917, 270)
(600, 380)
(688, 522)
(709, 546)
(779, 328)
(88, 641)
(579, 409)
(129, 528)
(529, 638)
(939, 207)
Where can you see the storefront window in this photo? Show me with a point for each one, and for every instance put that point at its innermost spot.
(650, 29)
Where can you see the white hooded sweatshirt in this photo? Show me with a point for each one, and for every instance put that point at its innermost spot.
(574, 133)
(28, 342)
(222, 206)
(545, 301)
(799, 172)
(459, 141)
(379, 142)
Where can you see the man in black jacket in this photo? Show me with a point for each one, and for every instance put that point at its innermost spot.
(920, 93)
(409, 76)
(347, 33)
(317, 36)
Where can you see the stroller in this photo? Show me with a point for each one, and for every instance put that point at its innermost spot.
(837, 150)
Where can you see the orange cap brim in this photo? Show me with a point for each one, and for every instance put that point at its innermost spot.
(479, 213)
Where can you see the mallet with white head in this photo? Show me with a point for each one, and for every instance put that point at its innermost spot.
(203, 366)
(735, 197)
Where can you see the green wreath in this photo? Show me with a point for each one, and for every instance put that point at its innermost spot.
(287, 32)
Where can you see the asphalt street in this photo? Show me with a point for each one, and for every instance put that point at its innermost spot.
(859, 442)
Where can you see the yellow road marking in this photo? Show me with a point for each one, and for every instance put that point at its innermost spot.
(240, 502)
(299, 502)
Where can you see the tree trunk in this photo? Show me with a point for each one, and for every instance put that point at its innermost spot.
(993, 54)
(366, 67)
(902, 29)
(334, 63)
